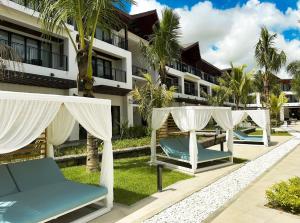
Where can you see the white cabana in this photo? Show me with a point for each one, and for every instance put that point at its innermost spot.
(260, 117)
(24, 116)
(191, 119)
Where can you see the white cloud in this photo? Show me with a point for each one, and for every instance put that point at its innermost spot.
(230, 35)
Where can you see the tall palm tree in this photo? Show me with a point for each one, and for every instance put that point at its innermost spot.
(269, 59)
(238, 84)
(163, 47)
(276, 103)
(86, 15)
(294, 69)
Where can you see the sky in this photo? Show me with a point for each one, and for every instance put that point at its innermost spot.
(227, 30)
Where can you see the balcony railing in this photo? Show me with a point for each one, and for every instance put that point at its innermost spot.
(38, 56)
(26, 3)
(192, 92)
(114, 39)
(115, 75)
(138, 71)
(193, 70)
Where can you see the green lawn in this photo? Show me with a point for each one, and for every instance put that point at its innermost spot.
(134, 178)
(259, 132)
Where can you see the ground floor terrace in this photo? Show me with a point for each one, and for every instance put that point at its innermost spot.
(181, 201)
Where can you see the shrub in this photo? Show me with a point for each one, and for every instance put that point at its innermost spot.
(129, 132)
(285, 195)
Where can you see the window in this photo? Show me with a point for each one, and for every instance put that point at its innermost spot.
(102, 68)
(115, 118)
(203, 90)
(32, 52)
(18, 43)
(46, 54)
(3, 37)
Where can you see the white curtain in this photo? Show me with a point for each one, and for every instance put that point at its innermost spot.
(23, 120)
(59, 130)
(262, 119)
(224, 120)
(158, 119)
(238, 116)
(192, 119)
(96, 119)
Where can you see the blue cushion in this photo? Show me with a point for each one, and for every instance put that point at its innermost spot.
(7, 185)
(50, 200)
(179, 148)
(34, 173)
(239, 133)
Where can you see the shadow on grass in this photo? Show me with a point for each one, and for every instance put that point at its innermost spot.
(127, 197)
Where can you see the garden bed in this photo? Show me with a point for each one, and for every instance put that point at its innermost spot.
(134, 178)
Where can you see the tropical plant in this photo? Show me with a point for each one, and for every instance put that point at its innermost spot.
(86, 15)
(152, 95)
(269, 59)
(218, 97)
(276, 103)
(237, 83)
(163, 47)
(294, 69)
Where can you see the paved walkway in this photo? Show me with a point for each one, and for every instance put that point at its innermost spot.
(202, 204)
(249, 206)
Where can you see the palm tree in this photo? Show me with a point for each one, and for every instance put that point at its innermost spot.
(276, 103)
(163, 47)
(219, 96)
(86, 15)
(269, 59)
(294, 69)
(152, 95)
(237, 83)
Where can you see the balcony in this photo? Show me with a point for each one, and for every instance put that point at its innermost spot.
(193, 70)
(26, 3)
(37, 56)
(138, 71)
(113, 74)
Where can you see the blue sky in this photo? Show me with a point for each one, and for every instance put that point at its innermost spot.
(227, 30)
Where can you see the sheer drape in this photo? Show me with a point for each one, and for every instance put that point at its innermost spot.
(59, 130)
(224, 120)
(160, 118)
(96, 119)
(238, 116)
(262, 119)
(22, 121)
(192, 119)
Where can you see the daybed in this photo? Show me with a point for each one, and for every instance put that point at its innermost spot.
(178, 149)
(185, 150)
(36, 191)
(244, 138)
(261, 117)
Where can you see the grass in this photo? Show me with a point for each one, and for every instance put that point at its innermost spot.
(134, 178)
(260, 132)
(285, 195)
(117, 144)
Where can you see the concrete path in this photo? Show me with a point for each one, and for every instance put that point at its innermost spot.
(249, 207)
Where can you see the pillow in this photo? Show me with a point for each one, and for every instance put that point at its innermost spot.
(7, 185)
(35, 173)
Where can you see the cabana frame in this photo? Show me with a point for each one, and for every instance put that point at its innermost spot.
(30, 114)
(191, 119)
(261, 117)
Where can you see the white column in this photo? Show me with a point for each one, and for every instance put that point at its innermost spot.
(182, 85)
(258, 104)
(129, 107)
(282, 114)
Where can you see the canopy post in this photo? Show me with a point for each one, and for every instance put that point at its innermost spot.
(107, 172)
(193, 150)
(153, 146)
(229, 140)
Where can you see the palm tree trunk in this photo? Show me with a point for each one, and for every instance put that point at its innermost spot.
(163, 74)
(267, 93)
(92, 156)
(86, 83)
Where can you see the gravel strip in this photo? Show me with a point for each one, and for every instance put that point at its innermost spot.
(198, 206)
